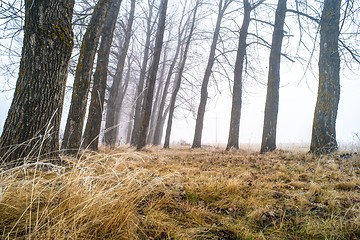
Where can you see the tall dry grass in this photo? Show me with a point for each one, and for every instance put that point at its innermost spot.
(183, 194)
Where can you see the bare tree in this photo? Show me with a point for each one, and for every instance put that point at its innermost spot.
(272, 98)
(161, 116)
(223, 4)
(179, 76)
(75, 122)
(32, 126)
(152, 76)
(323, 139)
(159, 125)
(233, 141)
(158, 96)
(93, 124)
(114, 102)
(144, 66)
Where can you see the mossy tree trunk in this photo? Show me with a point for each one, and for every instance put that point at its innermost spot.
(93, 124)
(32, 125)
(272, 97)
(152, 77)
(75, 122)
(323, 139)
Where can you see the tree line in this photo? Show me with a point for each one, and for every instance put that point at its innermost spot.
(131, 60)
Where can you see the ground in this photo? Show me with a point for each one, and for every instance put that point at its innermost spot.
(184, 194)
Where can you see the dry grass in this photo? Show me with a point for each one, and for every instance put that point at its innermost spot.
(184, 194)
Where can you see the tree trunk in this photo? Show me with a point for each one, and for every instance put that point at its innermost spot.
(140, 88)
(159, 125)
(129, 128)
(178, 79)
(31, 129)
(152, 76)
(75, 122)
(130, 122)
(272, 97)
(323, 139)
(157, 101)
(93, 124)
(111, 124)
(204, 93)
(120, 100)
(163, 118)
(233, 141)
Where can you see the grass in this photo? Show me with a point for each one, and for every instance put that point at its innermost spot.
(184, 194)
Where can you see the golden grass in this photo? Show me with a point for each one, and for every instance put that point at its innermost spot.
(184, 194)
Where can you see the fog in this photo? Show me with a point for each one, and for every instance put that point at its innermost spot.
(297, 94)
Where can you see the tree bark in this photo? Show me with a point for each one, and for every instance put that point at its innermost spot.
(75, 122)
(152, 76)
(178, 79)
(204, 93)
(31, 129)
(272, 97)
(233, 141)
(323, 139)
(93, 124)
(111, 123)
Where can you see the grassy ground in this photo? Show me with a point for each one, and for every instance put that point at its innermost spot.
(184, 194)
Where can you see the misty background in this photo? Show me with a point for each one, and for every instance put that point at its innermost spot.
(297, 94)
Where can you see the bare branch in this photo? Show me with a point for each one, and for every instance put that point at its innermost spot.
(304, 15)
(354, 55)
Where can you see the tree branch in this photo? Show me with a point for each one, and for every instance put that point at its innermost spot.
(355, 56)
(304, 15)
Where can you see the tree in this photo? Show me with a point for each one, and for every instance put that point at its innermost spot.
(152, 76)
(144, 66)
(158, 96)
(112, 116)
(32, 125)
(223, 4)
(161, 116)
(323, 139)
(272, 97)
(178, 78)
(233, 141)
(75, 122)
(93, 124)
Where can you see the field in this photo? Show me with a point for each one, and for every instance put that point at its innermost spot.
(183, 194)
